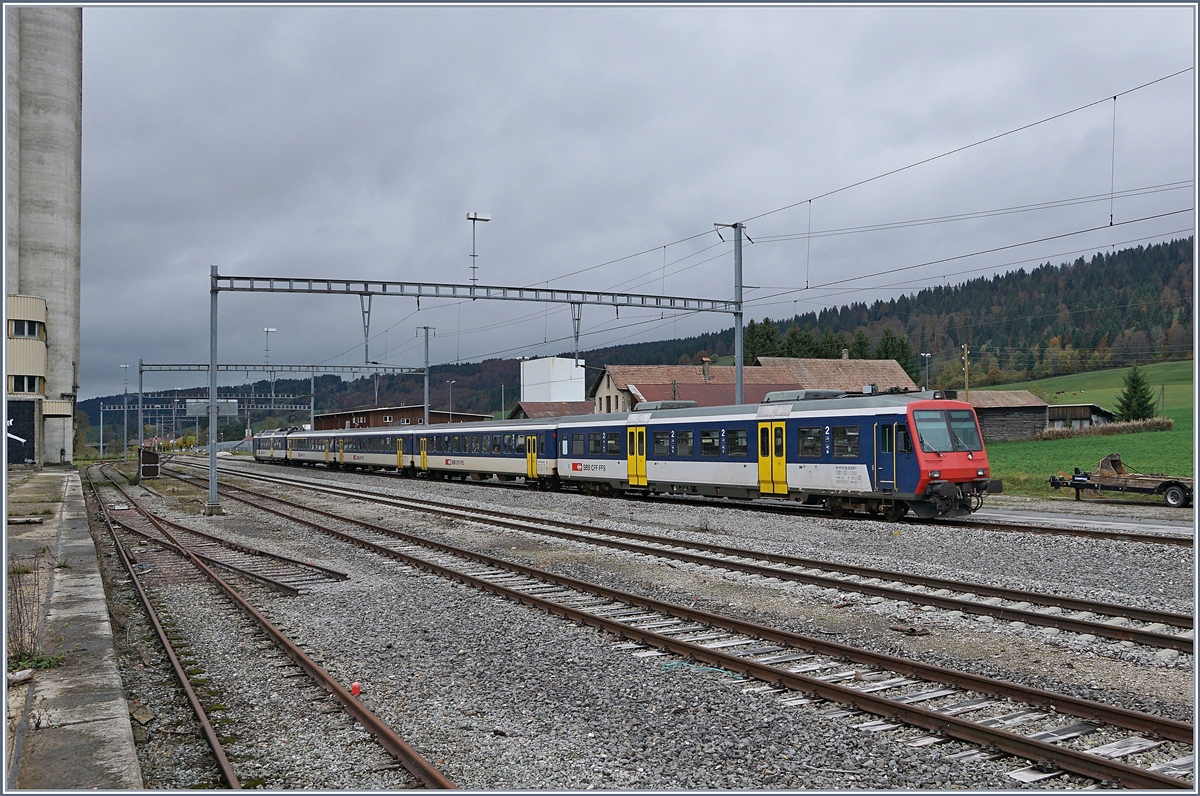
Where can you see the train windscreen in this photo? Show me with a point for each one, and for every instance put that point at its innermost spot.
(943, 432)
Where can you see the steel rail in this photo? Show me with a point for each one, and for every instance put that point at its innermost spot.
(1017, 595)
(210, 735)
(180, 550)
(253, 551)
(416, 765)
(1121, 717)
(1066, 759)
(779, 507)
(589, 535)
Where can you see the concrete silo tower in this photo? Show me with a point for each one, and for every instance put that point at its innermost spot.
(43, 63)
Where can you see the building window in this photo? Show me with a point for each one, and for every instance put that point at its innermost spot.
(26, 384)
(34, 329)
(608, 400)
(387, 418)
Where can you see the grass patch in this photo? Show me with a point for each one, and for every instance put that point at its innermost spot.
(1025, 467)
(17, 663)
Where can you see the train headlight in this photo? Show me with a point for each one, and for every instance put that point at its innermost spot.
(935, 473)
(981, 471)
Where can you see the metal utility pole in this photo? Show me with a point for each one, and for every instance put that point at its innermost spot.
(474, 218)
(101, 432)
(312, 401)
(214, 505)
(141, 423)
(501, 401)
(427, 328)
(451, 383)
(267, 361)
(738, 363)
(125, 417)
(966, 358)
(926, 357)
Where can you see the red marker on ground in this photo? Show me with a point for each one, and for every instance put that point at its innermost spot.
(355, 689)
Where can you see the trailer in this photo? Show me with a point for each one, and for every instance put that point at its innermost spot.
(1111, 476)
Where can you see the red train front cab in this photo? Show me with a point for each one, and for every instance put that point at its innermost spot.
(954, 470)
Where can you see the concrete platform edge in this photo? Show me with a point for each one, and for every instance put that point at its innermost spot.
(75, 731)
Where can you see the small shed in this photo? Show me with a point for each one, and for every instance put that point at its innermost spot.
(1078, 416)
(1009, 415)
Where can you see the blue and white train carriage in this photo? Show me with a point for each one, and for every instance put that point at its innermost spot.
(886, 453)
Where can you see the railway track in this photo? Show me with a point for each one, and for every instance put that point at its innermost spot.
(799, 670)
(167, 540)
(771, 506)
(1150, 627)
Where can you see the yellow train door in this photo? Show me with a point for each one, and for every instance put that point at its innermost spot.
(772, 461)
(531, 443)
(424, 453)
(399, 453)
(328, 443)
(636, 455)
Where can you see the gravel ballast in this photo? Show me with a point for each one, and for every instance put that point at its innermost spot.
(502, 696)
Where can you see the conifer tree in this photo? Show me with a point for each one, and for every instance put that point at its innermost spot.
(1136, 401)
(860, 345)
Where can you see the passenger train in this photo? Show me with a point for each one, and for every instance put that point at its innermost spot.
(883, 454)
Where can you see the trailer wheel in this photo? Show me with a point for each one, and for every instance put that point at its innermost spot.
(1175, 496)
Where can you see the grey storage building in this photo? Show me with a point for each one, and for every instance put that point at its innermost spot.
(1009, 415)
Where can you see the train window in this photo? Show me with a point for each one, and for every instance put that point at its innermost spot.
(932, 431)
(662, 443)
(739, 442)
(508, 443)
(565, 445)
(685, 443)
(710, 442)
(486, 446)
(885, 439)
(810, 443)
(520, 444)
(542, 444)
(437, 444)
(612, 443)
(845, 442)
(475, 443)
(778, 442)
(495, 443)
(576, 444)
(764, 442)
(966, 434)
(595, 444)
(454, 444)
(903, 440)
(446, 443)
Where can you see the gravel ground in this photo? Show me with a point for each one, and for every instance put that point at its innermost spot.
(278, 729)
(477, 683)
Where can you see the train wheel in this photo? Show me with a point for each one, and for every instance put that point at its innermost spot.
(895, 512)
(835, 508)
(1175, 496)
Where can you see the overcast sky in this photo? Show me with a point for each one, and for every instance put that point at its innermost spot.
(352, 142)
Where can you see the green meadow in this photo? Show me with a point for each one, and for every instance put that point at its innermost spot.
(1025, 467)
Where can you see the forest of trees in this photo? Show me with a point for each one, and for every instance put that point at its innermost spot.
(1131, 306)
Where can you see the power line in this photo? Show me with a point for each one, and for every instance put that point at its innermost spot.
(976, 253)
(969, 146)
(978, 214)
(827, 296)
